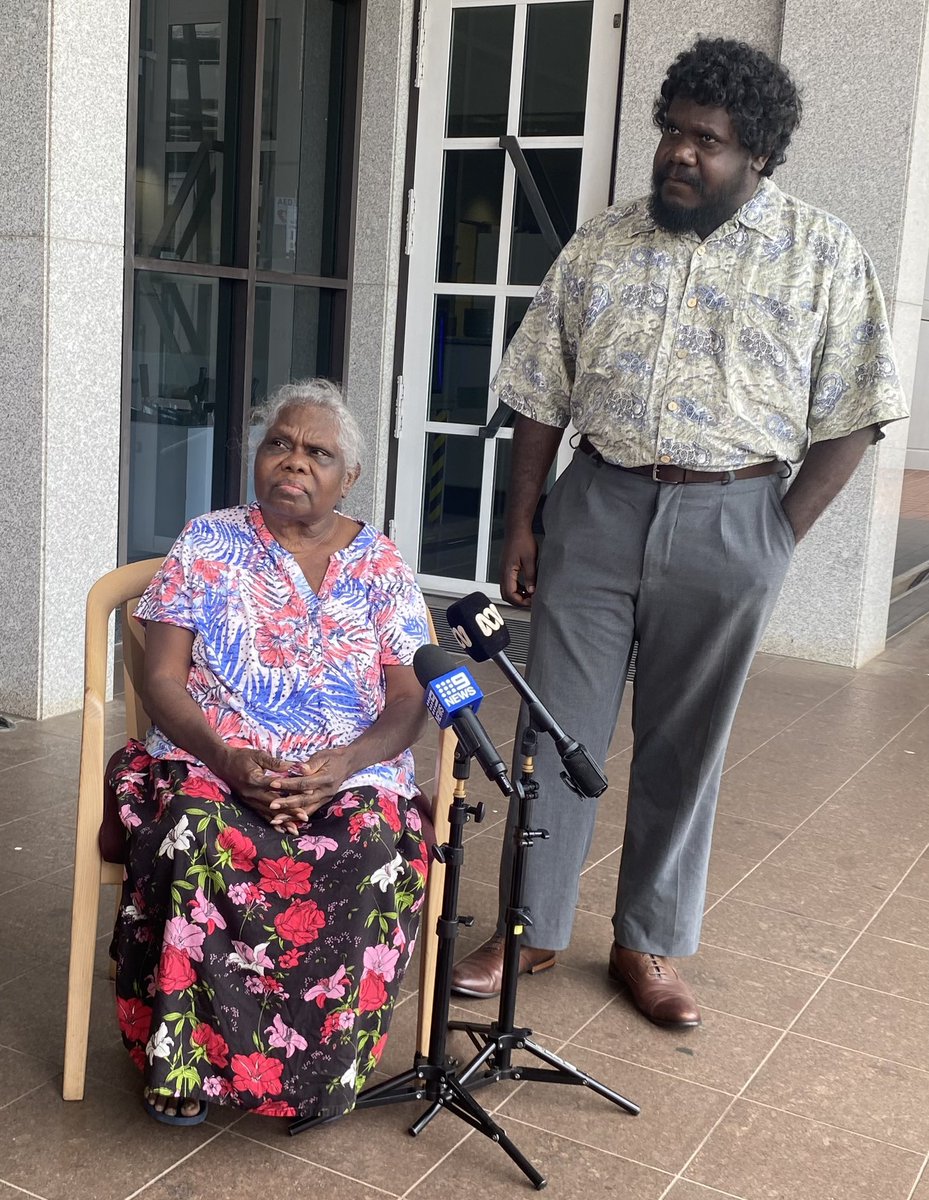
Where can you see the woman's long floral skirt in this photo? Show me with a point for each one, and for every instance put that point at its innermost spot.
(257, 968)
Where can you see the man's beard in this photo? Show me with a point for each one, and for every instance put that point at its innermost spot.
(713, 210)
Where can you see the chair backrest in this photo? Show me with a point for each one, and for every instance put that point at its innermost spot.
(442, 787)
(137, 720)
(119, 588)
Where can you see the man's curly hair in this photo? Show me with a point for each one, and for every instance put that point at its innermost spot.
(758, 93)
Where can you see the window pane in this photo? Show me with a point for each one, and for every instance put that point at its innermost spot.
(472, 195)
(516, 308)
(479, 77)
(298, 333)
(557, 174)
(186, 132)
(555, 74)
(461, 359)
(305, 162)
(174, 363)
(451, 505)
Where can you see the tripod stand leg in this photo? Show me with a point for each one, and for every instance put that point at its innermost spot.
(462, 1078)
(573, 1074)
(463, 1103)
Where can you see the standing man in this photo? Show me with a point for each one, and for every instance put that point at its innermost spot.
(703, 341)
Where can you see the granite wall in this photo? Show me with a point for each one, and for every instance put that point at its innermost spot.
(863, 153)
(62, 203)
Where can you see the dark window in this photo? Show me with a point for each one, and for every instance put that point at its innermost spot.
(240, 201)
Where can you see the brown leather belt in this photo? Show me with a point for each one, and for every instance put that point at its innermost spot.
(668, 473)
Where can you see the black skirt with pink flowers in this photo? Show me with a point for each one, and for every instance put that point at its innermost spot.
(257, 968)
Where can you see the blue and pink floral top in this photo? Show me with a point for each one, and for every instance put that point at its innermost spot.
(276, 665)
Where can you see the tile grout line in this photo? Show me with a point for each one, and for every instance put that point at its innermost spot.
(923, 1174)
(868, 1137)
(312, 1163)
(448, 1153)
(789, 913)
(38, 1087)
(803, 716)
(818, 809)
(589, 1146)
(22, 1191)
(788, 1030)
(167, 1171)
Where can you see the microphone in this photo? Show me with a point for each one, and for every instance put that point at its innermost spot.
(452, 699)
(482, 633)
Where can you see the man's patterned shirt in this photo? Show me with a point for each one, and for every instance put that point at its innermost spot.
(713, 354)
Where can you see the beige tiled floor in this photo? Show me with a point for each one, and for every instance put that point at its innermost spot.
(809, 1079)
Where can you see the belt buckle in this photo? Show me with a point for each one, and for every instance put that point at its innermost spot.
(657, 468)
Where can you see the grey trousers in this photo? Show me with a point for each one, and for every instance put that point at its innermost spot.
(691, 572)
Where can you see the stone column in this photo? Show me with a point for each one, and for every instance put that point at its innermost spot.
(861, 153)
(372, 328)
(657, 31)
(64, 72)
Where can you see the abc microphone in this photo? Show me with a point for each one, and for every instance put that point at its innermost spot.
(482, 633)
(452, 698)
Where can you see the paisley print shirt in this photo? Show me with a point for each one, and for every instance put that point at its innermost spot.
(715, 354)
(275, 664)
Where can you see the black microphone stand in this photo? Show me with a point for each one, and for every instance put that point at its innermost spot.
(436, 1077)
(496, 1041)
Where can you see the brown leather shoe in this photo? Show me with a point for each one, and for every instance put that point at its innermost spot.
(657, 991)
(480, 974)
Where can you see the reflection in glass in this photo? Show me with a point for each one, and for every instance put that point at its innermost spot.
(173, 399)
(451, 505)
(185, 156)
(461, 359)
(298, 334)
(295, 335)
(303, 168)
(555, 73)
(479, 76)
(516, 308)
(504, 450)
(557, 174)
(469, 234)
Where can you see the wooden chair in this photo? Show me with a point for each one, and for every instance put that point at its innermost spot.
(121, 589)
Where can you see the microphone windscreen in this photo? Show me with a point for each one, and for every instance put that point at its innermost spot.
(478, 626)
(429, 662)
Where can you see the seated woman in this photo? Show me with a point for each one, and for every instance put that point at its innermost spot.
(275, 862)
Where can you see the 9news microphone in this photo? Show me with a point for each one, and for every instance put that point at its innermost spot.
(452, 698)
(482, 633)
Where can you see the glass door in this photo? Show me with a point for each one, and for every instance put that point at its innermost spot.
(544, 72)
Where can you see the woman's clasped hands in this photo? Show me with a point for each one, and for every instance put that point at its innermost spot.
(284, 793)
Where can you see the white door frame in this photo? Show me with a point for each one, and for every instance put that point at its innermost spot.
(422, 245)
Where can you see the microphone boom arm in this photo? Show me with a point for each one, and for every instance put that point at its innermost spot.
(581, 773)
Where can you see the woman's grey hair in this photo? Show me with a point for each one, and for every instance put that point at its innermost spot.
(314, 393)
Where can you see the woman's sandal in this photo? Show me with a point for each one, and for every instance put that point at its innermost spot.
(175, 1118)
